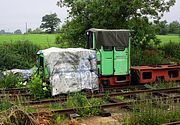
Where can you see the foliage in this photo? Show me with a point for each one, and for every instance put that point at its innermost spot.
(35, 31)
(83, 105)
(172, 49)
(9, 81)
(113, 14)
(55, 106)
(58, 39)
(147, 57)
(163, 85)
(21, 54)
(5, 104)
(174, 27)
(30, 109)
(50, 22)
(37, 88)
(18, 31)
(155, 112)
(120, 98)
(60, 118)
(162, 28)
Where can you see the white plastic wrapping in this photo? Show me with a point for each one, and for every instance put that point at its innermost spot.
(71, 69)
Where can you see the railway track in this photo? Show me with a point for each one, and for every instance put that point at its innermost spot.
(109, 105)
(114, 88)
(101, 95)
(13, 90)
(14, 93)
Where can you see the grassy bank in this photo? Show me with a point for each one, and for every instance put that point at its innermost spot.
(169, 38)
(42, 40)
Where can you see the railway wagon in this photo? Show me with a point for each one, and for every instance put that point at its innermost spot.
(151, 74)
(113, 55)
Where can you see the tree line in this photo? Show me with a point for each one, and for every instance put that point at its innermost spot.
(136, 15)
(164, 28)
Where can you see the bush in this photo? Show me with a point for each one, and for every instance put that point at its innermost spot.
(58, 39)
(21, 54)
(37, 88)
(147, 57)
(172, 49)
(9, 81)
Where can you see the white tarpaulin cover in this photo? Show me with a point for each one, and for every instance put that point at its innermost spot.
(71, 70)
(24, 73)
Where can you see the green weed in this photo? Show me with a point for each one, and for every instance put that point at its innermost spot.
(9, 81)
(154, 112)
(163, 85)
(84, 106)
(37, 88)
(60, 118)
(21, 54)
(55, 106)
(172, 49)
(147, 57)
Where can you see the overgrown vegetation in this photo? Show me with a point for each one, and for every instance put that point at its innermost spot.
(21, 54)
(154, 112)
(79, 100)
(37, 88)
(163, 85)
(110, 14)
(9, 81)
(150, 56)
(172, 50)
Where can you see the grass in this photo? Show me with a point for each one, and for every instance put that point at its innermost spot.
(42, 40)
(163, 85)
(153, 113)
(168, 38)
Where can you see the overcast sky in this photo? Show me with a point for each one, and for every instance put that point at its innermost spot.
(14, 14)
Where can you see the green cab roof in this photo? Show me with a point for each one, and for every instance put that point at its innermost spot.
(111, 37)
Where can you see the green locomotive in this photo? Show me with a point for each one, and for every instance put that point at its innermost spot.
(113, 55)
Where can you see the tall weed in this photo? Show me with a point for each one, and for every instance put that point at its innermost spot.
(21, 54)
(37, 88)
(90, 106)
(9, 81)
(151, 56)
(154, 112)
(172, 49)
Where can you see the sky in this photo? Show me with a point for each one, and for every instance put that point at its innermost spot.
(14, 14)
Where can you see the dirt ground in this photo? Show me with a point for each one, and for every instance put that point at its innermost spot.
(116, 118)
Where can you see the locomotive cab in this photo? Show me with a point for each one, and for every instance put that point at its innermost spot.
(113, 55)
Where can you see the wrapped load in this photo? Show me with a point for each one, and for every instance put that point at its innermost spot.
(71, 70)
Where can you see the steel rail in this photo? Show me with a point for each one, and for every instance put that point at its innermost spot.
(13, 90)
(172, 123)
(62, 99)
(109, 105)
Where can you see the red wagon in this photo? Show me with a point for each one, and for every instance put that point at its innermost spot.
(150, 74)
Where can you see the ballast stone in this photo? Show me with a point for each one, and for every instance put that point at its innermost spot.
(71, 70)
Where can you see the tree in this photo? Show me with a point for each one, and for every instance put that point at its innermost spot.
(137, 15)
(2, 32)
(50, 22)
(29, 30)
(162, 27)
(37, 31)
(18, 31)
(174, 27)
